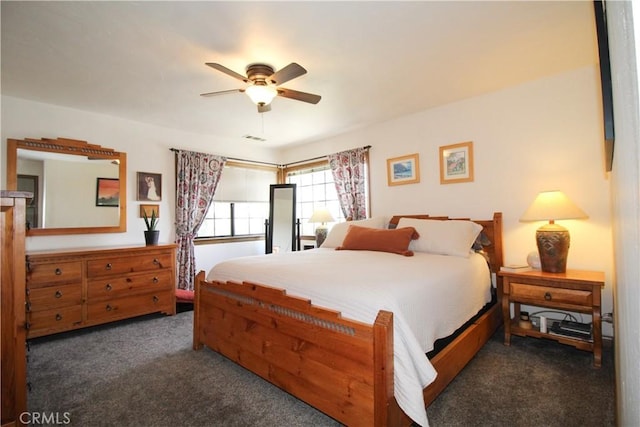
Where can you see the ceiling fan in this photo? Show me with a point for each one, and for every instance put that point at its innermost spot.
(264, 84)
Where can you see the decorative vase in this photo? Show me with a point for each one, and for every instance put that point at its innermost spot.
(553, 246)
(151, 237)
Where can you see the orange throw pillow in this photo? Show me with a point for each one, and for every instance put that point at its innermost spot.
(374, 239)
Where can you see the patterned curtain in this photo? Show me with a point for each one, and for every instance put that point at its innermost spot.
(198, 175)
(349, 174)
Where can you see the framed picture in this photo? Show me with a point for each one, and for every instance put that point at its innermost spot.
(149, 186)
(456, 163)
(149, 209)
(403, 170)
(108, 192)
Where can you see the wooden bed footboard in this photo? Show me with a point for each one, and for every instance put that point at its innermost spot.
(341, 367)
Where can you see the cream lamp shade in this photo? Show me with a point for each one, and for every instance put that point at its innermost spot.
(552, 239)
(322, 216)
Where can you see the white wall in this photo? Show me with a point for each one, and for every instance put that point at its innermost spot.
(542, 135)
(623, 20)
(147, 149)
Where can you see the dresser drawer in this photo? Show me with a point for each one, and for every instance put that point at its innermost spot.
(531, 293)
(130, 264)
(39, 299)
(77, 288)
(119, 286)
(54, 320)
(59, 272)
(120, 308)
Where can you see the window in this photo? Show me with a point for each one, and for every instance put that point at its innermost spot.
(316, 189)
(241, 203)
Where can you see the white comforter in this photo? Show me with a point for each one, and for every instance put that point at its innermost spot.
(430, 297)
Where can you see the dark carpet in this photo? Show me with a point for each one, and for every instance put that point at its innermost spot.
(143, 372)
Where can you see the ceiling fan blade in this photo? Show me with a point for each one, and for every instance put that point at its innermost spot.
(264, 108)
(227, 71)
(289, 72)
(221, 92)
(299, 96)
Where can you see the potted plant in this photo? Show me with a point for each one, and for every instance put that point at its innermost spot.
(151, 235)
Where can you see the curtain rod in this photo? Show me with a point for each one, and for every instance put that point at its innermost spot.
(366, 147)
(241, 160)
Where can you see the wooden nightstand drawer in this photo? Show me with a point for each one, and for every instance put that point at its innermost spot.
(531, 293)
(573, 290)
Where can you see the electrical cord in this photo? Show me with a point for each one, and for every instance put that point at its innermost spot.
(566, 315)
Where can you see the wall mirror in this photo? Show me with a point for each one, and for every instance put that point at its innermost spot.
(281, 229)
(78, 187)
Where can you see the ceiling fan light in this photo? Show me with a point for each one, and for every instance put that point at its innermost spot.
(261, 94)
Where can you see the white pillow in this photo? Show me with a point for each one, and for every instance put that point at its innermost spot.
(339, 231)
(453, 237)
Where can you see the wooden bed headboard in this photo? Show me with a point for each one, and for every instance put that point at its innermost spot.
(339, 366)
(492, 228)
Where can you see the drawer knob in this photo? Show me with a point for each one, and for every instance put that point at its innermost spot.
(156, 280)
(108, 266)
(155, 299)
(156, 261)
(28, 307)
(108, 307)
(58, 272)
(547, 296)
(58, 316)
(108, 287)
(58, 294)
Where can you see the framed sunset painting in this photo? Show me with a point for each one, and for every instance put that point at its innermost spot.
(108, 192)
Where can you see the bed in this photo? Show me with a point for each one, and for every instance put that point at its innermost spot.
(357, 355)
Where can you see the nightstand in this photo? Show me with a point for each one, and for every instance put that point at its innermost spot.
(575, 290)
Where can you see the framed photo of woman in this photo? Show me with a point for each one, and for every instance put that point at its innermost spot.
(149, 186)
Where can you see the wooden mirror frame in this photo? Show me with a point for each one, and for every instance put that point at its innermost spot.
(77, 148)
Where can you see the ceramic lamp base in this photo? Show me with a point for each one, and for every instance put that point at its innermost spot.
(553, 245)
(321, 235)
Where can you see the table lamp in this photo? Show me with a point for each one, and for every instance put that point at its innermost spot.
(552, 239)
(322, 216)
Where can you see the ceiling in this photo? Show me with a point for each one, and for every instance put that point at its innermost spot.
(370, 61)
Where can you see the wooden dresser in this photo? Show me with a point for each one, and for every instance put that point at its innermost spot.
(13, 338)
(76, 288)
